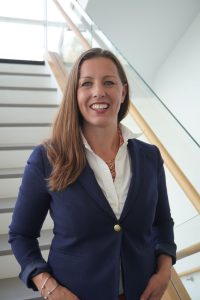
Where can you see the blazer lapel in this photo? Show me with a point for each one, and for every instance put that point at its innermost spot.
(137, 165)
(88, 181)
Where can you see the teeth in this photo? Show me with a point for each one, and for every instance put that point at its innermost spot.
(99, 106)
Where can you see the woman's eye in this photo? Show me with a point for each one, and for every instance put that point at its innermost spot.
(86, 83)
(108, 82)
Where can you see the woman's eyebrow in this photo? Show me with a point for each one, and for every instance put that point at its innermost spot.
(89, 77)
(110, 76)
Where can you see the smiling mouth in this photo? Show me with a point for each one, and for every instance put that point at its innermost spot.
(99, 106)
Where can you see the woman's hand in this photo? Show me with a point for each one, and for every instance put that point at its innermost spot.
(158, 282)
(155, 288)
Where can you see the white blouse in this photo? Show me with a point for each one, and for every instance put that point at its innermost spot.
(114, 191)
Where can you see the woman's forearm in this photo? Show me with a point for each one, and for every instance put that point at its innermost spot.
(164, 265)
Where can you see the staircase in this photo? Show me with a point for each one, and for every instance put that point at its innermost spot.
(28, 102)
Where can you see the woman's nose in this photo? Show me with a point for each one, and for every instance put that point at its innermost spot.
(98, 91)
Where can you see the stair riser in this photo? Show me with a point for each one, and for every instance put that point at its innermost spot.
(29, 97)
(9, 187)
(15, 289)
(18, 291)
(26, 81)
(14, 158)
(6, 221)
(23, 68)
(27, 115)
(17, 135)
(10, 267)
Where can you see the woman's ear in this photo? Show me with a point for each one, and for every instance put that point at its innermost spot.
(124, 92)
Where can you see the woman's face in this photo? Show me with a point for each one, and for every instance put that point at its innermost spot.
(100, 92)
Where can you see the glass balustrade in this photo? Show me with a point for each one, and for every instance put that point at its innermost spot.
(65, 41)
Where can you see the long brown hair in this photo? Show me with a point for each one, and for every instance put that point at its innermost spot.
(65, 148)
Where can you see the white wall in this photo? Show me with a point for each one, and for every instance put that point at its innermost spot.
(177, 81)
(145, 31)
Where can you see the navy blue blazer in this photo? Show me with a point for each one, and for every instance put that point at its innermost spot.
(86, 251)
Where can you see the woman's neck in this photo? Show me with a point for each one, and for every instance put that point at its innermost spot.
(103, 141)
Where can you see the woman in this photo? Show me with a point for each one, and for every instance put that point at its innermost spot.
(106, 193)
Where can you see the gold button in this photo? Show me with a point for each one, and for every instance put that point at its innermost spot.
(117, 227)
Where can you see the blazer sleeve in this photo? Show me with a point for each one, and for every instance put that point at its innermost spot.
(163, 223)
(29, 214)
